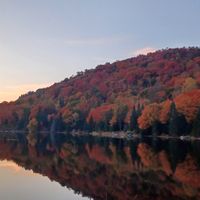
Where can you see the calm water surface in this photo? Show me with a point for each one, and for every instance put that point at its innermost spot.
(86, 167)
(17, 183)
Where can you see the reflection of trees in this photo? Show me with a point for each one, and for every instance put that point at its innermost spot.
(188, 173)
(177, 152)
(195, 152)
(133, 150)
(116, 169)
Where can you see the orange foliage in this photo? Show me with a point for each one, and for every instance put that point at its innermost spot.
(188, 104)
(150, 114)
(147, 156)
(153, 160)
(165, 110)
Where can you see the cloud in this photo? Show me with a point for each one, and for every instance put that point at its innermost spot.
(12, 92)
(92, 41)
(143, 51)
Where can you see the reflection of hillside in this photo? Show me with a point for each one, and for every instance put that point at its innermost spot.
(113, 169)
(188, 172)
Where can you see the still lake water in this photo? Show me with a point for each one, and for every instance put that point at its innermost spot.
(17, 183)
(86, 167)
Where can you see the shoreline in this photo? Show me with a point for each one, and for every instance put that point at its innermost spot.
(130, 135)
(118, 135)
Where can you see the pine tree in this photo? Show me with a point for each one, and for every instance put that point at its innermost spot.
(177, 122)
(133, 121)
(196, 126)
(120, 115)
(91, 124)
(173, 121)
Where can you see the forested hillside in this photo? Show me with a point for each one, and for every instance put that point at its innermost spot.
(157, 93)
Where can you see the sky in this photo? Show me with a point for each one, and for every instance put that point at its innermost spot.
(45, 41)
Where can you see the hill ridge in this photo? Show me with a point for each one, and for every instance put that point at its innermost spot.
(125, 95)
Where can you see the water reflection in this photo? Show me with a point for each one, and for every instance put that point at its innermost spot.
(19, 184)
(103, 168)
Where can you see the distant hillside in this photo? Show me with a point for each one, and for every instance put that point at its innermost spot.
(155, 93)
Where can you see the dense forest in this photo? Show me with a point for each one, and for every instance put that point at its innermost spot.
(148, 94)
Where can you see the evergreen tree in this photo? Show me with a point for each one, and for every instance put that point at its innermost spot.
(60, 125)
(177, 122)
(133, 121)
(108, 117)
(24, 119)
(121, 114)
(196, 126)
(173, 121)
(91, 124)
(156, 129)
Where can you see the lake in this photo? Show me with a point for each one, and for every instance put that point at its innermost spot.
(87, 167)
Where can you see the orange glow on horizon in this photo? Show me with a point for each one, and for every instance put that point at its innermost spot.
(11, 165)
(12, 92)
(16, 168)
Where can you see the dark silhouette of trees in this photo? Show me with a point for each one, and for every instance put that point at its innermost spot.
(177, 122)
(196, 126)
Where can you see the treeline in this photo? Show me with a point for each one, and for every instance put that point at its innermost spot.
(172, 117)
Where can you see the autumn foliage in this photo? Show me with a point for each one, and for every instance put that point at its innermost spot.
(188, 104)
(150, 115)
(137, 93)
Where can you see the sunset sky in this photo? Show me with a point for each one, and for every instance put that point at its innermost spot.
(45, 41)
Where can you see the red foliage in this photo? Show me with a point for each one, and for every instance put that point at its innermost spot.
(98, 113)
(98, 154)
(188, 172)
(142, 80)
(147, 156)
